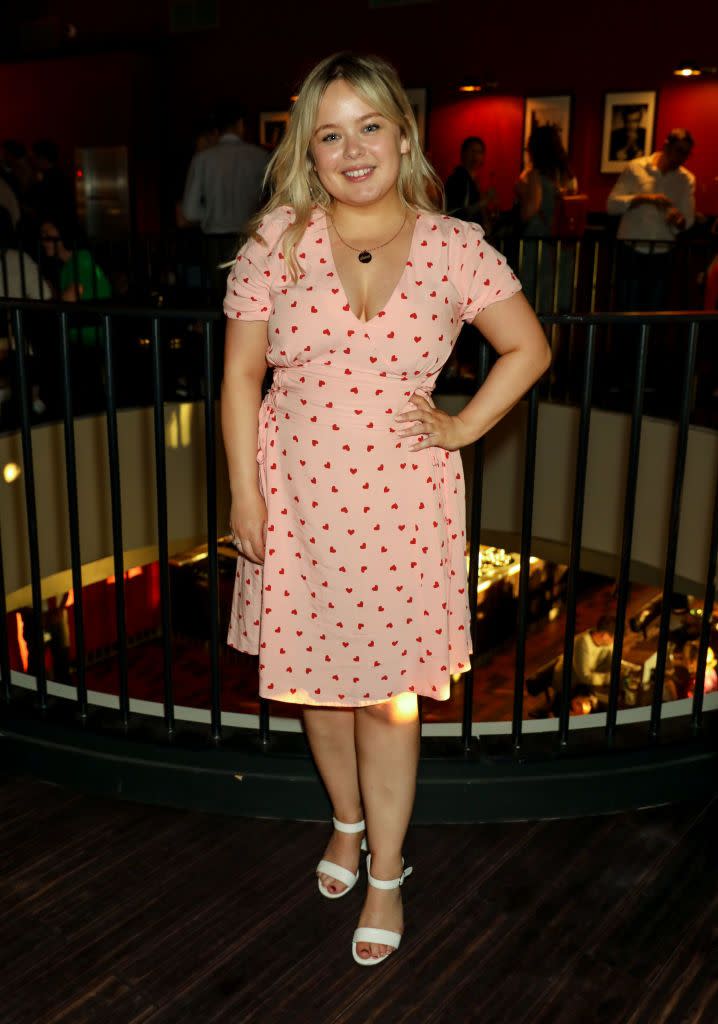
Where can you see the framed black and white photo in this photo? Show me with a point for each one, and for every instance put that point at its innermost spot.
(542, 110)
(417, 98)
(628, 122)
(272, 126)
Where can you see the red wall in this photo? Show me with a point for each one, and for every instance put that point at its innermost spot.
(499, 121)
(150, 98)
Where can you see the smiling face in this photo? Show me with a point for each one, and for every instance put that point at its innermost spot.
(357, 152)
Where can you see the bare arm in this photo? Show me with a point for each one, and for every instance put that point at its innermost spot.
(584, 663)
(529, 191)
(244, 368)
(626, 194)
(683, 214)
(513, 329)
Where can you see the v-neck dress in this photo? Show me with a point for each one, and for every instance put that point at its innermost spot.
(363, 591)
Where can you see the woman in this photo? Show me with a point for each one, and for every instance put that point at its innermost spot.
(538, 192)
(351, 577)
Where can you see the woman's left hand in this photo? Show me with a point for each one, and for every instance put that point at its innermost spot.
(434, 427)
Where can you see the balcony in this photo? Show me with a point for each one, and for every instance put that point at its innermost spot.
(125, 495)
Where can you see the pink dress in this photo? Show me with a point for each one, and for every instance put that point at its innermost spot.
(363, 590)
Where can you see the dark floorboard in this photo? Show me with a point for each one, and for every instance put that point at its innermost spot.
(116, 913)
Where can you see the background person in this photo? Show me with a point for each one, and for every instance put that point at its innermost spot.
(463, 198)
(592, 654)
(80, 279)
(51, 195)
(655, 199)
(538, 192)
(20, 278)
(690, 663)
(223, 189)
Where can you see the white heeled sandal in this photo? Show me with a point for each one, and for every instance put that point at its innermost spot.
(341, 874)
(379, 935)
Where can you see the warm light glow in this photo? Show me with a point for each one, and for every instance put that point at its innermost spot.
(470, 88)
(129, 575)
(293, 99)
(11, 471)
(687, 72)
(80, 173)
(178, 427)
(404, 707)
(24, 653)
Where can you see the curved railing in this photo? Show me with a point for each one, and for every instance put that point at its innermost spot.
(469, 769)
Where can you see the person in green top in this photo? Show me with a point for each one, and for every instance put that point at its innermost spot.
(81, 280)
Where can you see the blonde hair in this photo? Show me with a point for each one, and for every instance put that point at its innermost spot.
(290, 172)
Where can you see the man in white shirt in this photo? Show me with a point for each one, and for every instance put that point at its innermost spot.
(223, 190)
(592, 654)
(224, 181)
(655, 198)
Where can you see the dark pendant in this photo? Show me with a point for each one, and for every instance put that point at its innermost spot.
(364, 257)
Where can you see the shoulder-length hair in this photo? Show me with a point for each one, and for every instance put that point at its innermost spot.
(290, 173)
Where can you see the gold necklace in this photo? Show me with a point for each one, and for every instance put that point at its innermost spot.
(365, 255)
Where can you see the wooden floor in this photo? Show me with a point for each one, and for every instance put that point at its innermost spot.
(114, 913)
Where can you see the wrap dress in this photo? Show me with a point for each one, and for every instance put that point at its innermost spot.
(363, 591)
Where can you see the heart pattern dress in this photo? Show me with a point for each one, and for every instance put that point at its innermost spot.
(363, 591)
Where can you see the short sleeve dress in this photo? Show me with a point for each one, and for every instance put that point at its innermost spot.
(363, 591)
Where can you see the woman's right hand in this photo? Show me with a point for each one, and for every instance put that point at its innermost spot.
(248, 524)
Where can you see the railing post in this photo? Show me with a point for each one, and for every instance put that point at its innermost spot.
(673, 527)
(37, 639)
(477, 488)
(525, 565)
(74, 517)
(211, 477)
(708, 601)
(116, 505)
(4, 645)
(629, 511)
(576, 534)
(162, 542)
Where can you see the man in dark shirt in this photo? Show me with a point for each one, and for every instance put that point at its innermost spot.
(463, 199)
(51, 196)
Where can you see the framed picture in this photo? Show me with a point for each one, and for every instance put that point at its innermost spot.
(541, 110)
(272, 126)
(628, 122)
(417, 98)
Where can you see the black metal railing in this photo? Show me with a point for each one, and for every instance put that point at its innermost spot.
(181, 269)
(690, 328)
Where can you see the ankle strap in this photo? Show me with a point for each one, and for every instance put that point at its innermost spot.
(380, 883)
(342, 826)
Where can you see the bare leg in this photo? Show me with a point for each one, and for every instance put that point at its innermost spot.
(387, 744)
(330, 732)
